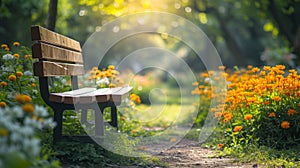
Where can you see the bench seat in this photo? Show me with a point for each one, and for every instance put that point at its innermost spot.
(91, 95)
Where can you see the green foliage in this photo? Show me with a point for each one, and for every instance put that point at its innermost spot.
(93, 155)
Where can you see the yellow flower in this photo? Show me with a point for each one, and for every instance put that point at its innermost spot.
(111, 67)
(291, 112)
(12, 78)
(272, 115)
(4, 46)
(3, 132)
(237, 128)
(33, 85)
(3, 84)
(16, 43)
(285, 124)
(6, 49)
(17, 55)
(19, 73)
(28, 108)
(2, 104)
(123, 118)
(248, 117)
(111, 85)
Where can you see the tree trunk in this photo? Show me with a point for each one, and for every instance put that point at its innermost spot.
(52, 12)
(231, 42)
(297, 44)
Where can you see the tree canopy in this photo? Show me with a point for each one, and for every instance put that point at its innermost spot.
(240, 30)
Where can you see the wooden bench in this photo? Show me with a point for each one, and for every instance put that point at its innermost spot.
(59, 55)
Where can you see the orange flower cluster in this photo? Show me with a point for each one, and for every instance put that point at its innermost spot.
(135, 98)
(252, 87)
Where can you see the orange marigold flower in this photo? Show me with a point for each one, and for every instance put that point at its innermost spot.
(23, 98)
(19, 73)
(285, 124)
(272, 114)
(33, 85)
(2, 104)
(254, 70)
(204, 75)
(237, 128)
(3, 84)
(291, 112)
(262, 73)
(280, 67)
(249, 66)
(276, 98)
(28, 108)
(266, 68)
(6, 49)
(17, 55)
(195, 83)
(227, 116)
(27, 56)
(222, 68)
(220, 145)
(267, 103)
(248, 117)
(16, 43)
(12, 78)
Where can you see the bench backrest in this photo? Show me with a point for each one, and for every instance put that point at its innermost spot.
(58, 55)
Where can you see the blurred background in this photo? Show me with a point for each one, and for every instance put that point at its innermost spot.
(244, 32)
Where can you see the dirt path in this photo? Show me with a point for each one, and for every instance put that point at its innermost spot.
(189, 154)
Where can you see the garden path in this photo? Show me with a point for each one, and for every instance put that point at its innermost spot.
(189, 154)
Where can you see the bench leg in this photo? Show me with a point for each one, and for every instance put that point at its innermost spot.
(114, 116)
(57, 132)
(99, 123)
(83, 118)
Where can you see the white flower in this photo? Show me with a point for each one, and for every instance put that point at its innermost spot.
(103, 81)
(8, 57)
(27, 73)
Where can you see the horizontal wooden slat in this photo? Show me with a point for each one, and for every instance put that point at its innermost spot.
(118, 95)
(47, 68)
(53, 53)
(89, 95)
(39, 33)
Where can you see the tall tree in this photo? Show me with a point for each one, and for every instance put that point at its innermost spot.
(52, 13)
